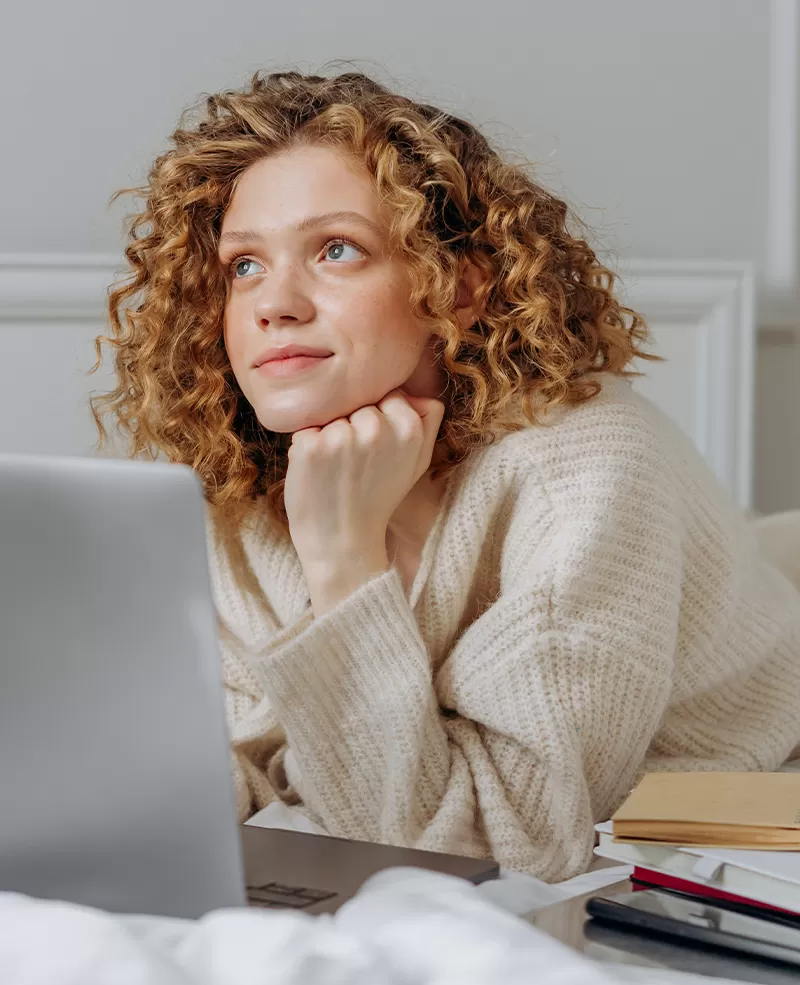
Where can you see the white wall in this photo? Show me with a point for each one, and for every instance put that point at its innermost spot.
(671, 126)
(651, 114)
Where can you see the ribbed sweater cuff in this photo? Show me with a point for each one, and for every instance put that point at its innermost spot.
(351, 642)
(349, 689)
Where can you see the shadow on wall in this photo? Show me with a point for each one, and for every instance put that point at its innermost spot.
(776, 482)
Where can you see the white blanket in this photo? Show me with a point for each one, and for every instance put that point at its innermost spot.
(406, 927)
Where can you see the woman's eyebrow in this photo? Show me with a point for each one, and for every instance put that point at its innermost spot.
(310, 222)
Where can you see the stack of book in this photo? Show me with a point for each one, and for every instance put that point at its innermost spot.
(732, 837)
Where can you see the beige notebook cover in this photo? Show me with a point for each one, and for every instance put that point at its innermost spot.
(730, 810)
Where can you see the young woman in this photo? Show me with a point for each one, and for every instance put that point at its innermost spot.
(470, 585)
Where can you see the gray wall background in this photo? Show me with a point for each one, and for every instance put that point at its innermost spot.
(652, 118)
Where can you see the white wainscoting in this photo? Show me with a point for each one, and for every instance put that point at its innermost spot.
(702, 320)
(51, 309)
(700, 315)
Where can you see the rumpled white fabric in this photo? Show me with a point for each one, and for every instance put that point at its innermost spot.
(406, 927)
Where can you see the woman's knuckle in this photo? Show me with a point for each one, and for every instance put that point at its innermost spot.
(338, 436)
(411, 430)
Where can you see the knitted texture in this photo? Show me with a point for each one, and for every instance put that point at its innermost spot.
(589, 606)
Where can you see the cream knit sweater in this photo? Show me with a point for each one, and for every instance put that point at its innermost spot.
(589, 606)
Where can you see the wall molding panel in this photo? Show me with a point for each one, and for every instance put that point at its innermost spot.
(700, 314)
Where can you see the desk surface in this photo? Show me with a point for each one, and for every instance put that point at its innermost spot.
(567, 922)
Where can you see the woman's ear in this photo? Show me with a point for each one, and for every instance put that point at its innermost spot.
(471, 278)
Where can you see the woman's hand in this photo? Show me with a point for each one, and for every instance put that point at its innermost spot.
(344, 482)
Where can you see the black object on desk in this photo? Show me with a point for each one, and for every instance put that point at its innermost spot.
(699, 923)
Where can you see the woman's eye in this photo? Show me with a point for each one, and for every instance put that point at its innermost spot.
(342, 251)
(241, 268)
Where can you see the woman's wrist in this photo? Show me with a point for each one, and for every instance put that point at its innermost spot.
(331, 580)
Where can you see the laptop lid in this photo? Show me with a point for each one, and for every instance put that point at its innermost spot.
(317, 874)
(114, 760)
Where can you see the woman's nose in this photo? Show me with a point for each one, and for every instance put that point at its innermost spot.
(282, 299)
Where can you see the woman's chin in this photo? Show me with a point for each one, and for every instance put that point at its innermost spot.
(283, 423)
(289, 420)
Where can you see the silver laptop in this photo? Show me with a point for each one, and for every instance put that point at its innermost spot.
(115, 784)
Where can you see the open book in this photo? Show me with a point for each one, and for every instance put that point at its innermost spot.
(726, 810)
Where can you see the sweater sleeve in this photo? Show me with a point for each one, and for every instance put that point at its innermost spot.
(537, 722)
(258, 744)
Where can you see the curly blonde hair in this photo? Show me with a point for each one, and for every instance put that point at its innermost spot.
(548, 316)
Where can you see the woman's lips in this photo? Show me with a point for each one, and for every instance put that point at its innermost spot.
(291, 366)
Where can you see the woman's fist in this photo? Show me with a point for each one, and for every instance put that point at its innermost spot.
(345, 480)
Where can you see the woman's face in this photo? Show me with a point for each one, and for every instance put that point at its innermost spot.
(313, 290)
